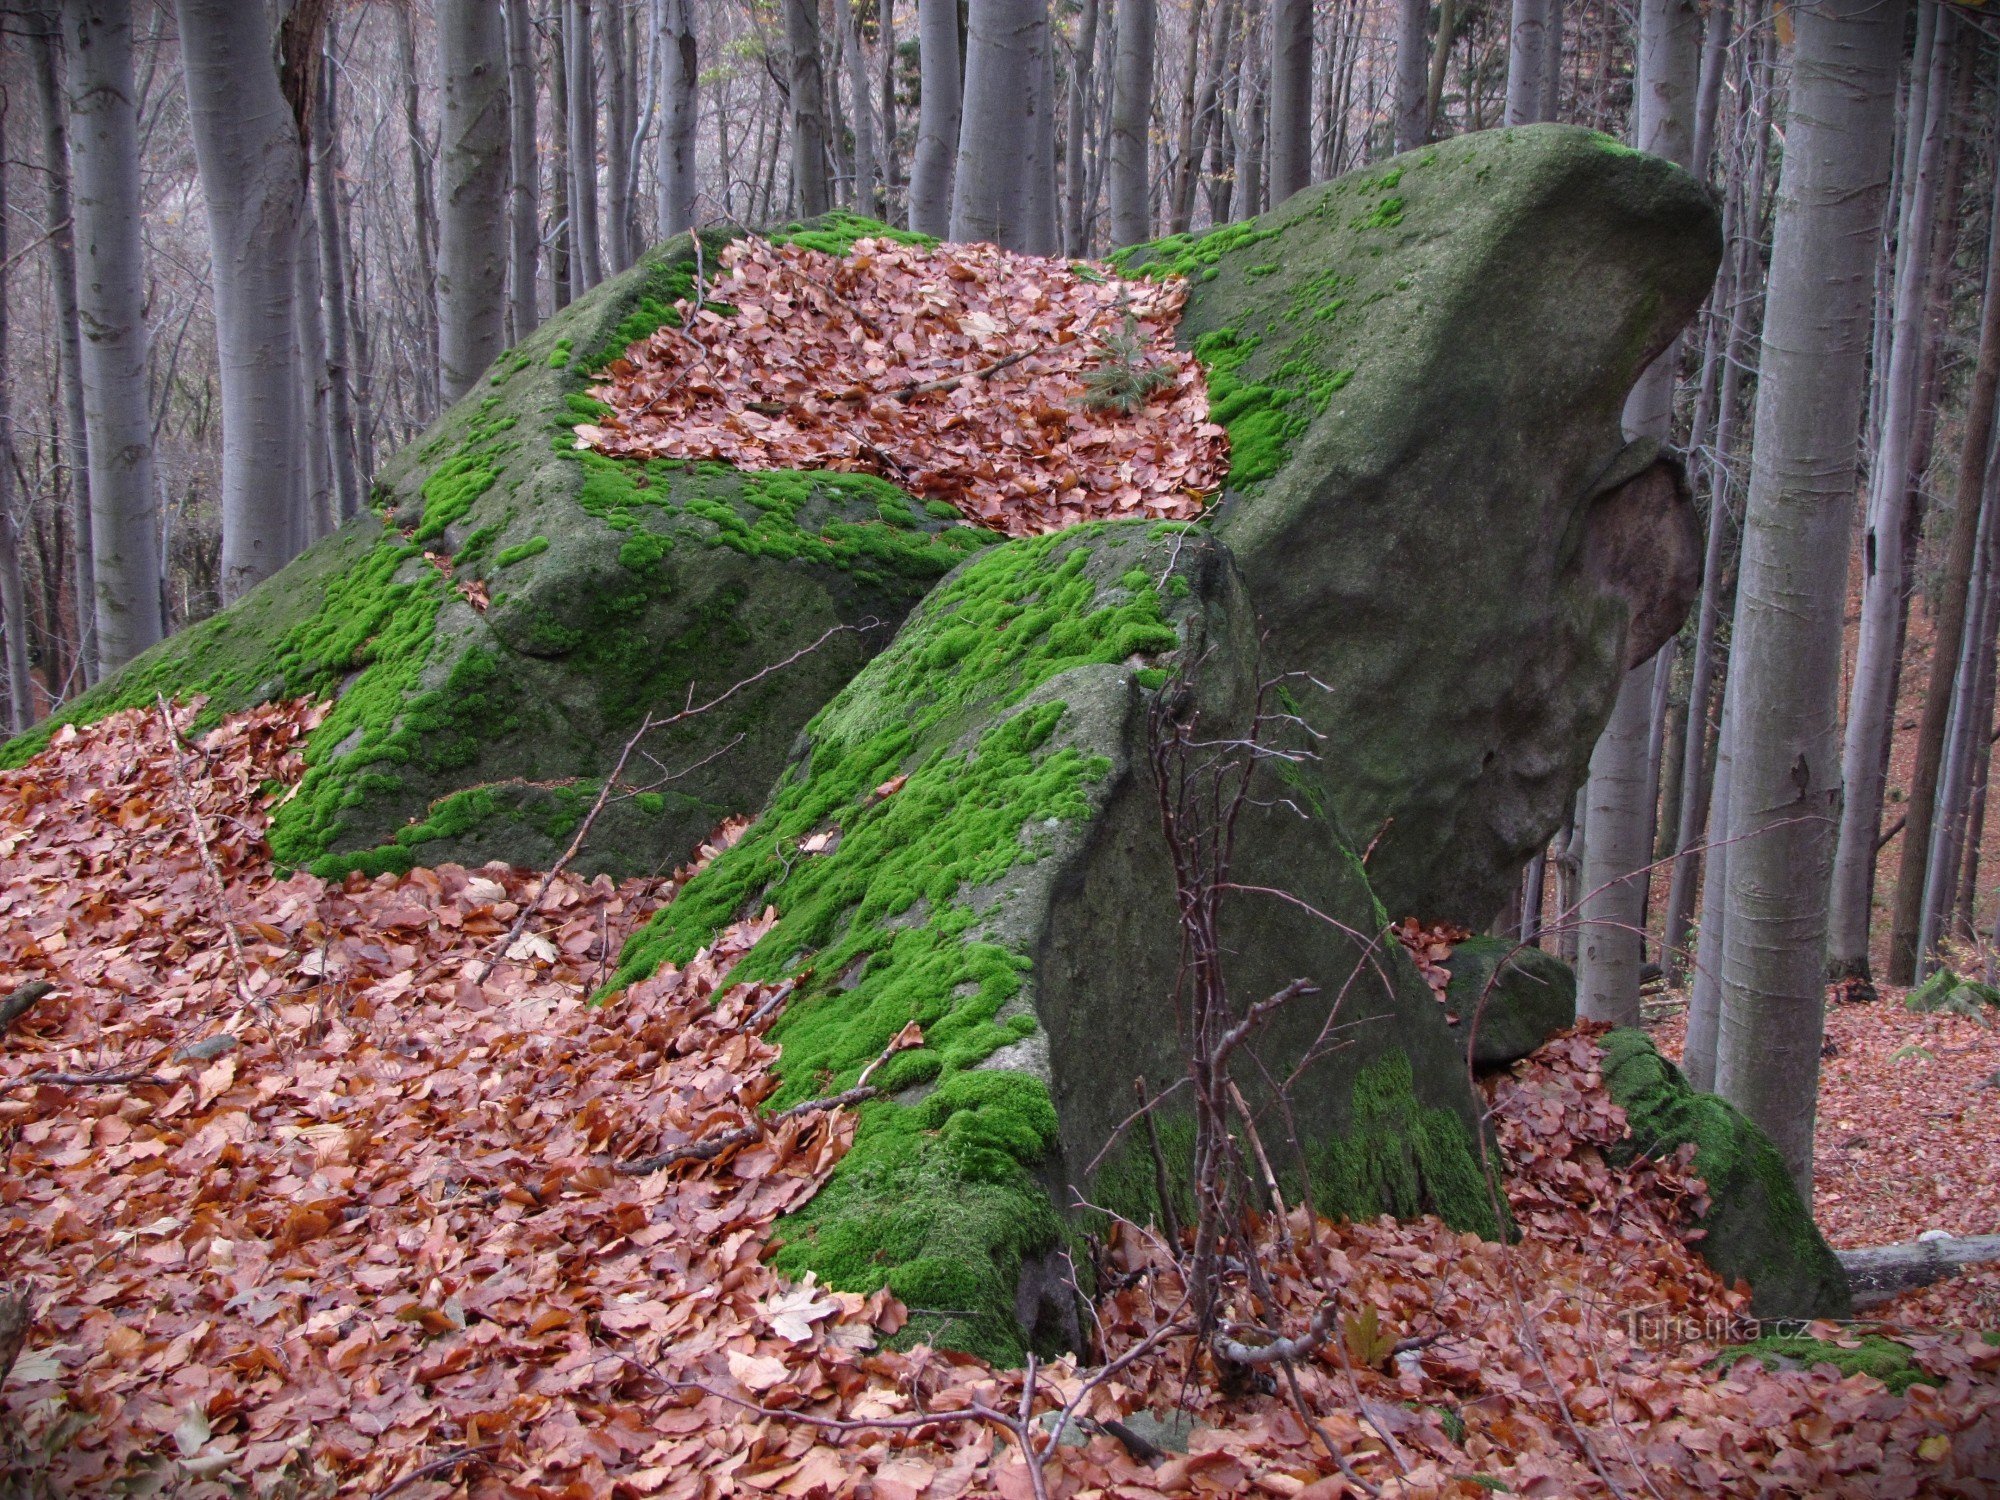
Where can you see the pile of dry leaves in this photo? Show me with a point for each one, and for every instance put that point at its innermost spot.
(351, 1218)
(1025, 394)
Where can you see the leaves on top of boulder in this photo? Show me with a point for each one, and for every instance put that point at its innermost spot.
(1017, 389)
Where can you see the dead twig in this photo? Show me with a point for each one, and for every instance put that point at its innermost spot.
(443, 1464)
(186, 797)
(91, 1080)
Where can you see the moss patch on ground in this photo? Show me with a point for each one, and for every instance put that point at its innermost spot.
(1757, 1228)
(1884, 1358)
(937, 1199)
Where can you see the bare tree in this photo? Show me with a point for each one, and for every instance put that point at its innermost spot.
(45, 46)
(472, 249)
(13, 587)
(253, 175)
(1527, 59)
(937, 117)
(1621, 787)
(1412, 123)
(424, 204)
(997, 184)
(331, 223)
(676, 85)
(1871, 701)
(808, 107)
(1290, 123)
(1131, 178)
(1784, 683)
(1076, 134)
(847, 21)
(104, 168)
(524, 170)
(580, 58)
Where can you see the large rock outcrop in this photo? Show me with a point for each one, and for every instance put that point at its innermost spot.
(1433, 532)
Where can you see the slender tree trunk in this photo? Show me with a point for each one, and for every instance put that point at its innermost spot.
(104, 169)
(937, 117)
(1450, 14)
(1704, 1023)
(580, 55)
(253, 175)
(993, 196)
(1621, 814)
(1552, 65)
(1044, 221)
(1872, 700)
(1180, 188)
(618, 250)
(1131, 123)
(44, 39)
(1918, 862)
(1708, 95)
(1291, 97)
(321, 507)
(1076, 133)
(1527, 56)
(1412, 125)
(855, 59)
(523, 171)
(425, 206)
(562, 264)
(472, 260)
(808, 105)
(1966, 734)
(333, 284)
(13, 586)
(1785, 675)
(680, 108)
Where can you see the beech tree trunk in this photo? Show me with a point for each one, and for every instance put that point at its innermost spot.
(523, 171)
(562, 266)
(1076, 134)
(1412, 124)
(997, 183)
(1527, 58)
(472, 259)
(1291, 97)
(580, 57)
(1872, 699)
(1785, 675)
(855, 59)
(331, 223)
(1131, 177)
(44, 41)
(808, 106)
(1621, 786)
(104, 167)
(13, 587)
(425, 208)
(617, 247)
(679, 108)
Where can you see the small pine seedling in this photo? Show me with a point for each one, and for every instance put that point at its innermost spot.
(1124, 379)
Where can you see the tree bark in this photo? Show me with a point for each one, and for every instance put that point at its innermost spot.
(104, 167)
(13, 587)
(1708, 93)
(331, 220)
(1872, 699)
(680, 108)
(44, 40)
(1882, 1273)
(580, 57)
(1076, 134)
(523, 172)
(1131, 178)
(808, 106)
(1527, 56)
(424, 206)
(562, 265)
(999, 160)
(618, 249)
(472, 259)
(1552, 63)
(1621, 814)
(1785, 676)
(1412, 125)
(1291, 97)
(855, 58)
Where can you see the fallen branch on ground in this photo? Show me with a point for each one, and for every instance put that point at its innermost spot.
(17, 1004)
(1880, 1272)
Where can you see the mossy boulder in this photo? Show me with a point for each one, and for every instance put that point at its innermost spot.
(1015, 897)
(1508, 999)
(1757, 1228)
(1422, 367)
(511, 610)
(1887, 1360)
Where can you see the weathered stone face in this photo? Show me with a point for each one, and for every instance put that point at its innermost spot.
(1438, 516)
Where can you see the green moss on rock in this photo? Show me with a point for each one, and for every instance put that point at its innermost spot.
(1757, 1228)
(1875, 1355)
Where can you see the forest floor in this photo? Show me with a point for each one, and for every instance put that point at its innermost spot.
(328, 1189)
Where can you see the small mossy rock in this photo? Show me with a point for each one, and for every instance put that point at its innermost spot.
(1757, 1228)
(617, 589)
(1884, 1358)
(1947, 992)
(1015, 898)
(1508, 999)
(1421, 367)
